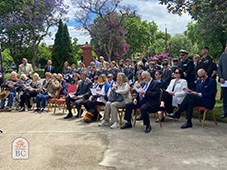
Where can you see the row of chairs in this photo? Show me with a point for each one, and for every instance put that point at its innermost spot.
(72, 88)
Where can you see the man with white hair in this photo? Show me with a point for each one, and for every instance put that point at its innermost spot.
(147, 100)
(25, 68)
(9, 86)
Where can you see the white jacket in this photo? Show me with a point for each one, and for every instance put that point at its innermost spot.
(178, 90)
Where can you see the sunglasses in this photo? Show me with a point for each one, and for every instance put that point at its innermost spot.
(176, 72)
(109, 77)
(182, 55)
(156, 74)
(201, 77)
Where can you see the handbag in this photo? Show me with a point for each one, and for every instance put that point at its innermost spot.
(88, 117)
(115, 97)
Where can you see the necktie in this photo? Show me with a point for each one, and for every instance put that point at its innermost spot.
(25, 70)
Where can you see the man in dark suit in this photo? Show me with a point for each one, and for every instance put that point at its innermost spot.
(167, 73)
(49, 67)
(204, 96)
(147, 101)
(188, 67)
(82, 93)
(151, 69)
(128, 69)
(161, 82)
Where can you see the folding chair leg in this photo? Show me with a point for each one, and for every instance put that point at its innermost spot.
(198, 112)
(204, 117)
(160, 123)
(212, 111)
(55, 107)
(49, 105)
(63, 109)
(98, 109)
(72, 105)
(59, 107)
(134, 124)
(120, 116)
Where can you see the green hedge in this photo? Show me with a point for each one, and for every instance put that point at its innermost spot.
(39, 71)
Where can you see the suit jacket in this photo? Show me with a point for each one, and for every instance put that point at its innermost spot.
(208, 90)
(50, 69)
(129, 72)
(152, 72)
(167, 76)
(178, 89)
(162, 84)
(152, 95)
(64, 89)
(84, 88)
(28, 68)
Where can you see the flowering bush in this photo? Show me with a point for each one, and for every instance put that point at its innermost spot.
(161, 57)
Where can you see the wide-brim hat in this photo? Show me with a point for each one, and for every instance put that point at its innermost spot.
(4, 94)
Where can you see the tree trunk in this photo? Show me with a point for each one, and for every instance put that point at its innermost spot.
(13, 55)
(34, 51)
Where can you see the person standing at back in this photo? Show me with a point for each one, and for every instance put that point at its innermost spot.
(207, 63)
(188, 68)
(222, 73)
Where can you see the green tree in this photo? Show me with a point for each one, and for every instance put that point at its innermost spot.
(43, 54)
(7, 60)
(210, 15)
(181, 41)
(62, 49)
(77, 51)
(199, 38)
(140, 34)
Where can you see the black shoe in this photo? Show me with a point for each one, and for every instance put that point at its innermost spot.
(43, 111)
(140, 118)
(173, 115)
(68, 116)
(126, 126)
(162, 120)
(37, 110)
(186, 125)
(224, 115)
(148, 129)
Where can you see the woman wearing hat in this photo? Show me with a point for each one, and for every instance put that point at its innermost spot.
(32, 90)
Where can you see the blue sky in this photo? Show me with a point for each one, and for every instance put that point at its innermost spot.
(149, 10)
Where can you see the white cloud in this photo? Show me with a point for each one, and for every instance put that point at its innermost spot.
(149, 10)
(153, 11)
(79, 34)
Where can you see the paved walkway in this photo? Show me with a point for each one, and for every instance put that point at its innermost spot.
(56, 143)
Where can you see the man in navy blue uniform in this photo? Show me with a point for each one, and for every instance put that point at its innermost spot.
(204, 96)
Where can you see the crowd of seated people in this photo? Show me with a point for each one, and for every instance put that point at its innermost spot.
(122, 84)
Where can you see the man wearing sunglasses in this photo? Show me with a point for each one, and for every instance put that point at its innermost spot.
(204, 95)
